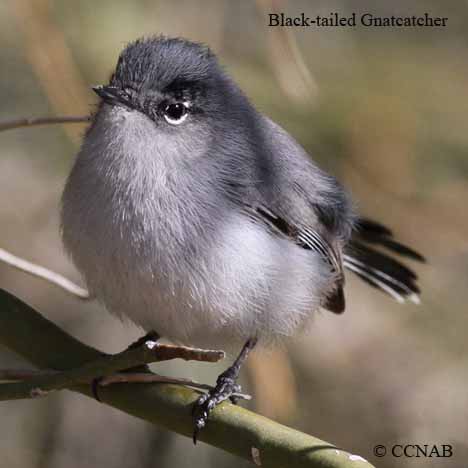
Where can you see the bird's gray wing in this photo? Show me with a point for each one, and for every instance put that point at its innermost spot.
(302, 202)
(310, 239)
(314, 211)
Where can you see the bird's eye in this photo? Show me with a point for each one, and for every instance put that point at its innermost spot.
(176, 113)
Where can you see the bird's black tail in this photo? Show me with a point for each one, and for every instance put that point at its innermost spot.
(376, 267)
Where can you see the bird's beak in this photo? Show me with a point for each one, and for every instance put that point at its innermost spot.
(109, 94)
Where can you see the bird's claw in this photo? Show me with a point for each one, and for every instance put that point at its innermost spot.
(225, 389)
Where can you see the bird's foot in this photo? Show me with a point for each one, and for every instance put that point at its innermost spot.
(226, 388)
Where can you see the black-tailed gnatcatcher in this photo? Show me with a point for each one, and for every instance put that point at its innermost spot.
(192, 214)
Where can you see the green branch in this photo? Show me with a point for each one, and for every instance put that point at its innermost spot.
(230, 427)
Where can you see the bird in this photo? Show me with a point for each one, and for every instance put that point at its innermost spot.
(193, 215)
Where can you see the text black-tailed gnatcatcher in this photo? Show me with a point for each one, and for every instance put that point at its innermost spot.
(194, 215)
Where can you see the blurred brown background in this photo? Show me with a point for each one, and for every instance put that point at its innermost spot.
(383, 109)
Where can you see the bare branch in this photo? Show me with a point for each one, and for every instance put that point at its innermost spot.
(36, 121)
(43, 273)
(145, 377)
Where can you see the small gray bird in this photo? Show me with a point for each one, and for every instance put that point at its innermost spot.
(191, 214)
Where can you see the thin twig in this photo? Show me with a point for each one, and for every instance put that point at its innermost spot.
(103, 367)
(35, 121)
(45, 47)
(146, 377)
(14, 375)
(43, 273)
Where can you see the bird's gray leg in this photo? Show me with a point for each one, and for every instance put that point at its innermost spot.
(150, 336)
(225, 387)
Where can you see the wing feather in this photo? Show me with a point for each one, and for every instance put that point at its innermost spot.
(311, 239)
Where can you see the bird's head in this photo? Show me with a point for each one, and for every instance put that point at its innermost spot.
(172, 81)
